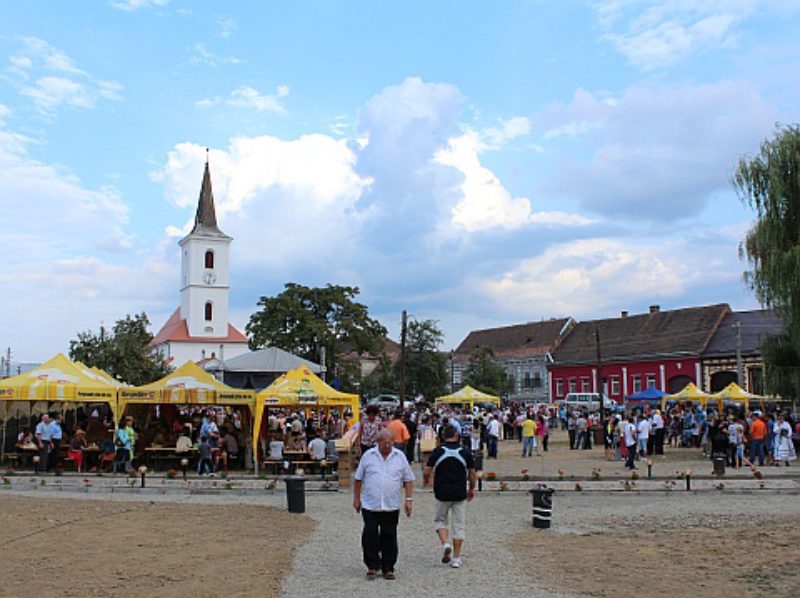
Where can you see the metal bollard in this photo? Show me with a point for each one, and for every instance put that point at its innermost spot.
(296, 494)
(542, 506)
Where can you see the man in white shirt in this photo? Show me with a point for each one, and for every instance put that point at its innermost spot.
(317, 448)
(629, 437)
(493, 435)
(382, 472)
(643, 433)
(658, 433)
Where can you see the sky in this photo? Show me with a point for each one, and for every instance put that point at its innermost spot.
(477, 163)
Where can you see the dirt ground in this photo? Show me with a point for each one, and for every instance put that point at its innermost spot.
(57, 547)
(708, 555)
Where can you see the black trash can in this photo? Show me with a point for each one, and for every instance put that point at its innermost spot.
(477, 458)
(296, 494)
(542, 506)
(719, 464)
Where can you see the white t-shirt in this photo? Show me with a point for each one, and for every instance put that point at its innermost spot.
(643, 428)
(276, 449)
(317, 448)
(630, 434)
(493, 429)
(658, 421)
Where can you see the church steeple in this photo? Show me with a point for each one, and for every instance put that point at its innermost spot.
(205, 220)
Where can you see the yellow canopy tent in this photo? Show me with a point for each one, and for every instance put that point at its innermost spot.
(189, 384)
(468, 395)
(57, 380)
(300, 388)
(734, 393)
(690, 392)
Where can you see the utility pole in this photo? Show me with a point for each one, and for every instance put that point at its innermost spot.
(403, 361)
(8, 362)
(739, 374)
(600, 376)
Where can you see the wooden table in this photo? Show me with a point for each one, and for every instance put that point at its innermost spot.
(166, 453)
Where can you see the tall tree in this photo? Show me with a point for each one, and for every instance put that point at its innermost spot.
(122, 352)
(426, 371)
(484, 374)
(304, 319)
(769, 183)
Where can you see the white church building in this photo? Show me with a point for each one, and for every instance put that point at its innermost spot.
(199, 329)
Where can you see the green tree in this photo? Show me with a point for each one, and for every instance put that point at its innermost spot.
(769, 183)
(303, 320)
(484, 374)
(426, 371)
(123, 352)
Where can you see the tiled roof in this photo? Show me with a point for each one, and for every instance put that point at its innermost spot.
(675, 333)
(176, 330)
(520, 340)
(754, 327)
(390, 348)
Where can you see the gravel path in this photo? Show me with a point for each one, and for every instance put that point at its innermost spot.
(331, 563)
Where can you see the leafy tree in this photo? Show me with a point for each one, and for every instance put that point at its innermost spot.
(769, 183)
(303, 320)
(484, 374)
(426, 371)
(122, 352)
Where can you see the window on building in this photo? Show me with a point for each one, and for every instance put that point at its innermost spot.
(756, 381)
(614, 385)
(585, 385)
(573, 385)
(526, 381)
(651, 380)
(637, 384)
(559, 387)
(209, 260)
(537, 380)
(209, 312)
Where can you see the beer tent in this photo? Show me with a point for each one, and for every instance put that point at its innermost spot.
(189, 384)
(300, 388)
(468, 396)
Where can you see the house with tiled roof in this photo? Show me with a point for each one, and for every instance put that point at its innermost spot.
(523, 350)
(661, 349)
(199, 328)
(740, 333)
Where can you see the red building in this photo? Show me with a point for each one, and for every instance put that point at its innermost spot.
(659, 348)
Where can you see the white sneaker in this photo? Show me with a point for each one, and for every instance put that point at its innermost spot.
(447, 552)
(456, 562)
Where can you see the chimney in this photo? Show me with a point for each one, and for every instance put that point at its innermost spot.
(654, 309)
(623, 313)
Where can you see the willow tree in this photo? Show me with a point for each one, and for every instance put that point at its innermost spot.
(769, 183)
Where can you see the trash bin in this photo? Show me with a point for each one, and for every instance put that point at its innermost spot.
(477, 458)
(296, 494)
(719, 464)
(542, 506)
(599, 436)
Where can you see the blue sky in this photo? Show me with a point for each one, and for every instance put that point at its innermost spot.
(476, 163)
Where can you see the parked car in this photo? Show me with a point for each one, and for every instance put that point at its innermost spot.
(385, 401)
(587, 400)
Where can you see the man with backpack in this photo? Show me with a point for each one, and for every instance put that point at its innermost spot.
(453, 470)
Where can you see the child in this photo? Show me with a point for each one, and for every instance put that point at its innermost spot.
(204, 463)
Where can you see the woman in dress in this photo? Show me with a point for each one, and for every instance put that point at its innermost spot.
(75, 450)
(784, 447)
(369, 428)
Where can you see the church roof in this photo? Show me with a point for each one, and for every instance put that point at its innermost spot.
(205, 220)
(176, 330)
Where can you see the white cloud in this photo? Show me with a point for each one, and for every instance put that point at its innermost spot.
(205, 57)
(248, 97)
(660, 34)
(51, 79)
(227, 27)
(509, 129)
(610, 272)
(655, 152)
(49, 93)
(131, 5)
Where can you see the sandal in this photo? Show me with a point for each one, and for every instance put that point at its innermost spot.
(372, 574)
(389, 575)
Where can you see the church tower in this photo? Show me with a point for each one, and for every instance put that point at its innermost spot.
(199, 328)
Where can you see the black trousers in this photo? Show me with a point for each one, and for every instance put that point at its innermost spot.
(572, 434)
(379, 539)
